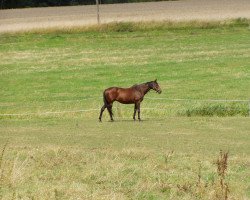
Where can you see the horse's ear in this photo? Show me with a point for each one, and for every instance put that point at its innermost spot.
(155, 80)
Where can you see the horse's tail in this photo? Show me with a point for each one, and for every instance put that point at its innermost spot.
(106, 103)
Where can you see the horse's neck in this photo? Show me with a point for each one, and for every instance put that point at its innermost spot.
(144, 88)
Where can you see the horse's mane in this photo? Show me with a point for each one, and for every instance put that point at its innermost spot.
(135, 85)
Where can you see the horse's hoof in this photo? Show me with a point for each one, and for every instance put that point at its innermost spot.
(100, 120)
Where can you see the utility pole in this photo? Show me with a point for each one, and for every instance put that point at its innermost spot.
(98, 12)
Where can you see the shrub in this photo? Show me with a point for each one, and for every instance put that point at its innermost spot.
(220, 110)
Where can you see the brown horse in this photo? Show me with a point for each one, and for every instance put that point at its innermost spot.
(132, 95)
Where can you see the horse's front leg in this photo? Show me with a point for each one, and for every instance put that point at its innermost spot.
(134, 112)
(139, 110)
(102, 109)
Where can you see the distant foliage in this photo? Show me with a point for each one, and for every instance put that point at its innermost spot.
(7, 4)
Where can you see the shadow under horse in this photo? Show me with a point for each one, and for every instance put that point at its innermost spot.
(132, 95)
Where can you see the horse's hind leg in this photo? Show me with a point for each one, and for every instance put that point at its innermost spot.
(102, 109)
(109, 107)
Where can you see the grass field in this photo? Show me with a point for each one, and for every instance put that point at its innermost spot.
(166, 156)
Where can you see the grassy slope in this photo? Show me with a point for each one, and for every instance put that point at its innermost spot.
(67, 157)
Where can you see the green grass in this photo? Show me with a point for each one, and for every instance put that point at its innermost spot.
(40, 71)
(72, 156)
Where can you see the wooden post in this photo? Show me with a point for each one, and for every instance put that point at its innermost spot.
(97, 12)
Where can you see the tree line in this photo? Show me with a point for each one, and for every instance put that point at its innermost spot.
(8, 4)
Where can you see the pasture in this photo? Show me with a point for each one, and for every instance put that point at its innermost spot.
(168, 155)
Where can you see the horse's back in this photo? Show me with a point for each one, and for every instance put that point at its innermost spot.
(118, 89)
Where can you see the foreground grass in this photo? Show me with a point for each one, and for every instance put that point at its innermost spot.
(79, 159)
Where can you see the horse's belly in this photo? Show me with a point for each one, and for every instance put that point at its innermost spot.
(126, 102)
(127, 96)
(125, 99)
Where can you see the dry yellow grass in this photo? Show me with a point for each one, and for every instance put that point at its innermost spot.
(83, 159)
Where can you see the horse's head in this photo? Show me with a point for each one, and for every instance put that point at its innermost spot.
(154, 86)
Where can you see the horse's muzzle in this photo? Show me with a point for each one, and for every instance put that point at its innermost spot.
(159, 91)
